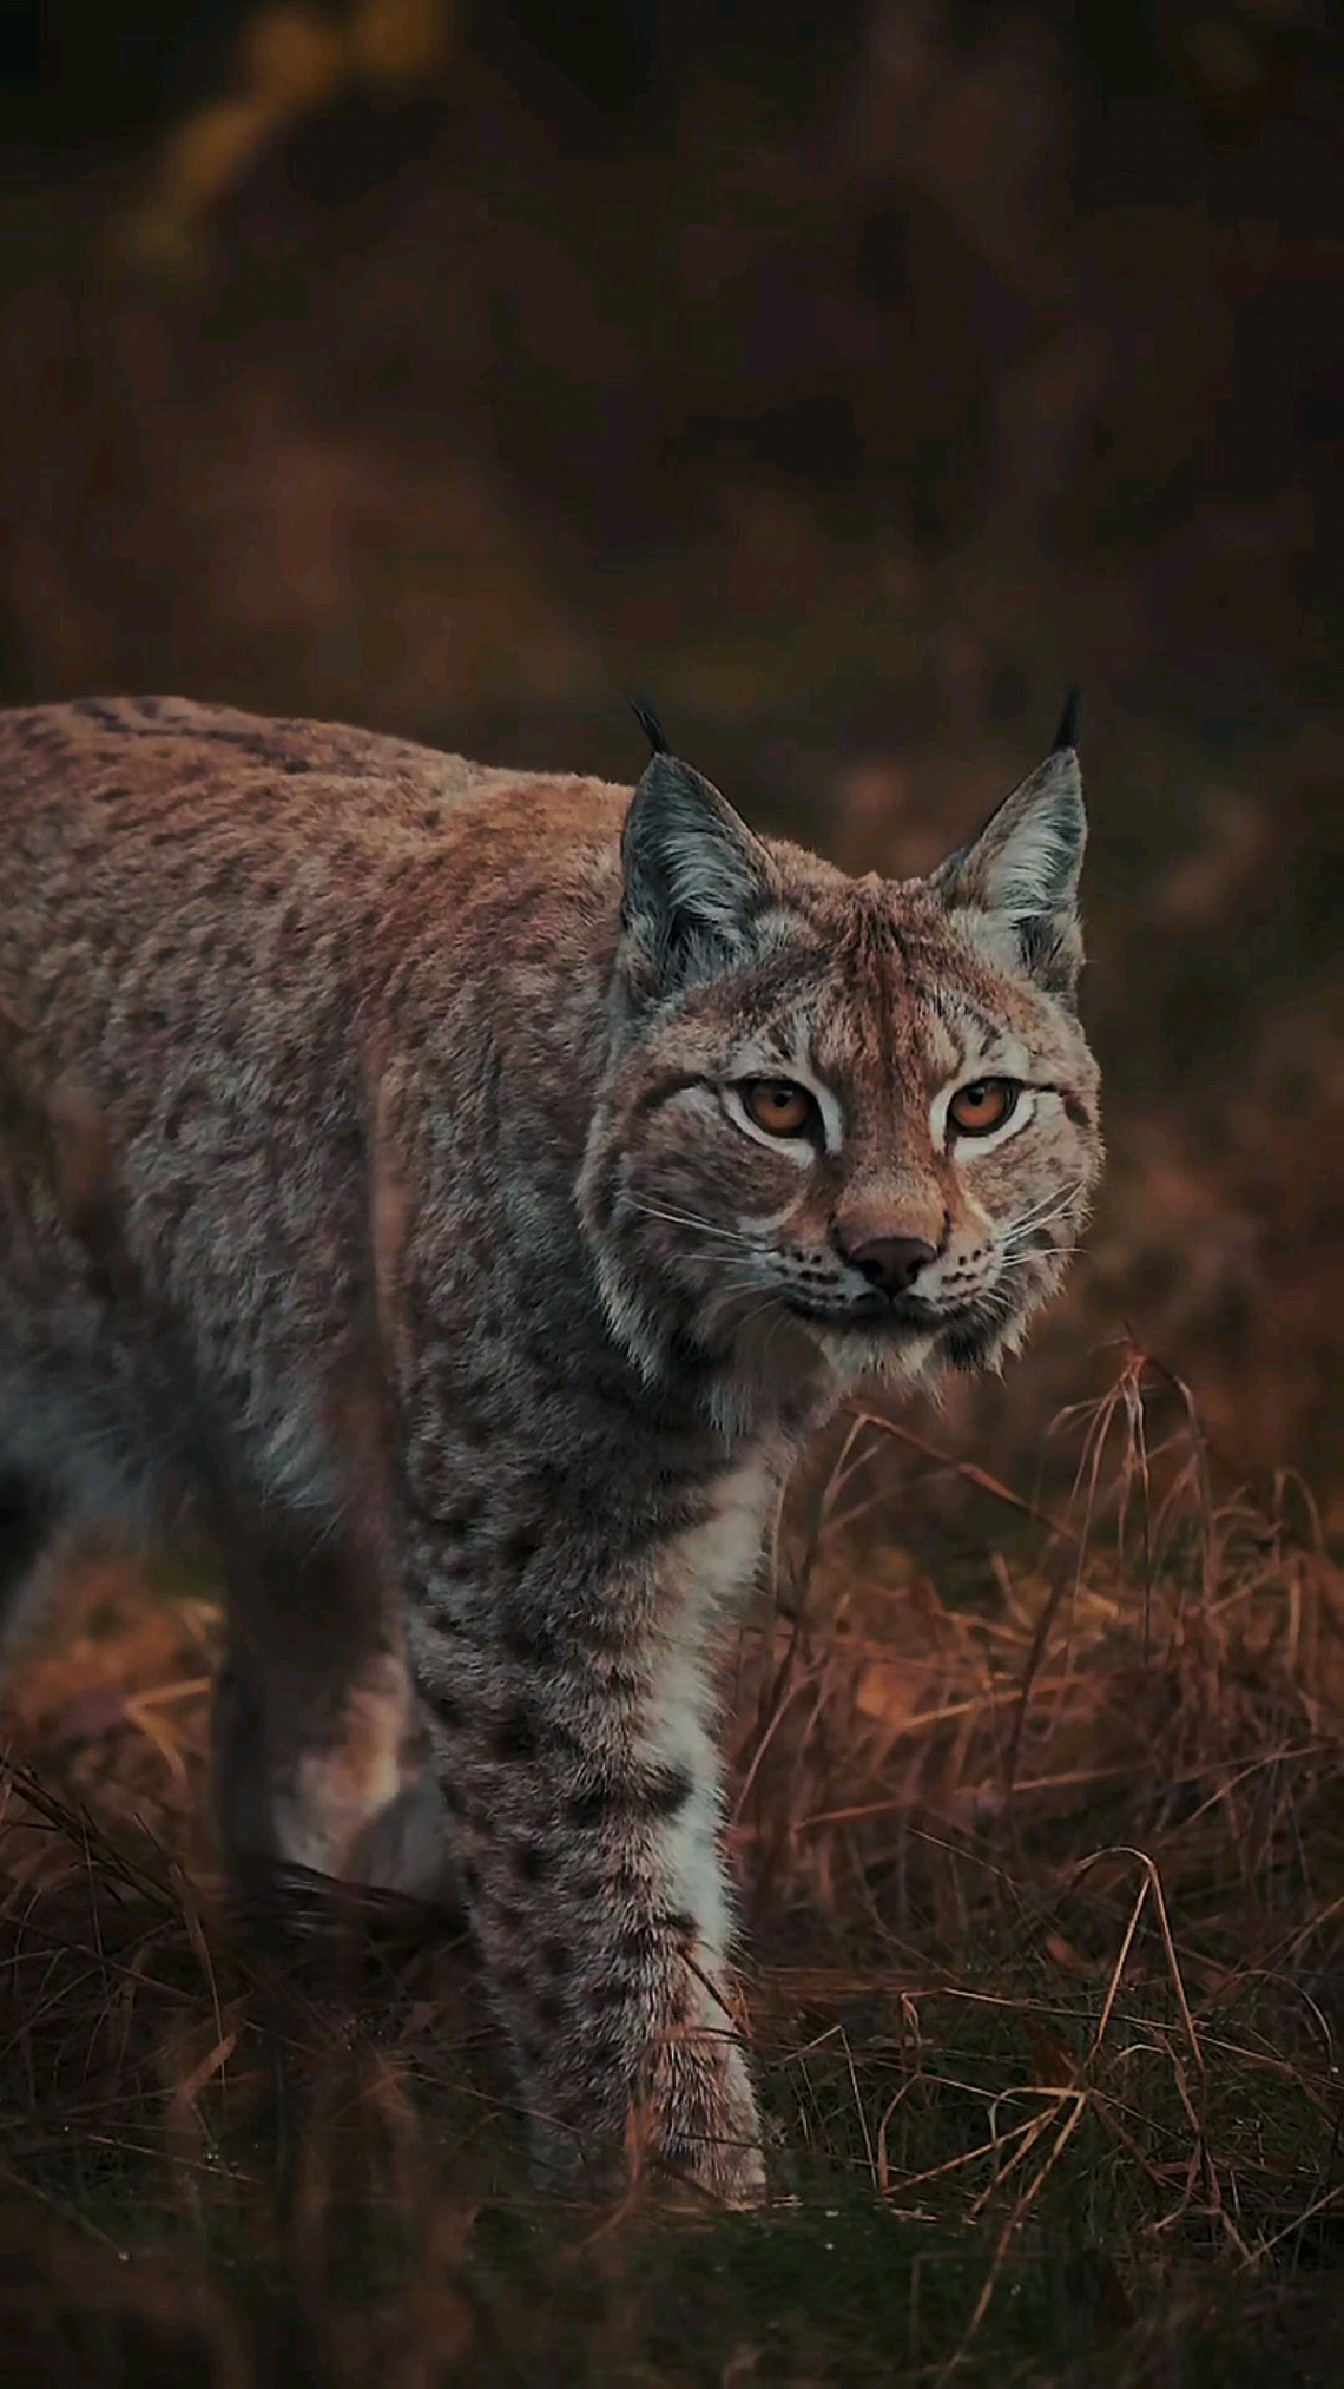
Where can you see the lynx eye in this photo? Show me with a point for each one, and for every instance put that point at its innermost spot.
(779, 1107)
(983, 1105)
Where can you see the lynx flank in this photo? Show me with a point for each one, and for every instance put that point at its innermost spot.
(463, 1190)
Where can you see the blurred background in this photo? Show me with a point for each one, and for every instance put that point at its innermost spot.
(847, 380)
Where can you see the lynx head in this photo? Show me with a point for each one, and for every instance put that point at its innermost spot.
(847, 1127)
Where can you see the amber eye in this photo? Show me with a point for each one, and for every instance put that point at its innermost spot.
(985, 1104)
(778, 1106)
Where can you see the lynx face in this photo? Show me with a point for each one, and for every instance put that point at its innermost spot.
(845, 1122)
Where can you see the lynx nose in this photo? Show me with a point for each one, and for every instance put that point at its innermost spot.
(891, 1263)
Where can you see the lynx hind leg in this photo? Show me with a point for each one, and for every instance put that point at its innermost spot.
(319, 1754)
(342, 1790)
(31, 1505)
(28, 1520)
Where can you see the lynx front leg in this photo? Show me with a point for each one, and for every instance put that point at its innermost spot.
(585, 1799)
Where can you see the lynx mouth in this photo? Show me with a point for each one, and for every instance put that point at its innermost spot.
(890, 1316)
(964, 1337)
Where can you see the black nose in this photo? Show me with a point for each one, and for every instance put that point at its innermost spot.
(892, 1263)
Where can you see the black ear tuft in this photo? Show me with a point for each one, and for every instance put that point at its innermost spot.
(1066, 735)
(695, 878)
(1024, 868)
(650, 725)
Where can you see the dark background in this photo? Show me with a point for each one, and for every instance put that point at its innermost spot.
(846, 379)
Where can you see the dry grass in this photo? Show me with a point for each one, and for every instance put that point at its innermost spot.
(1041, 1826)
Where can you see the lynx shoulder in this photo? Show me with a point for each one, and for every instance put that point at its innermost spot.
(463, 1189)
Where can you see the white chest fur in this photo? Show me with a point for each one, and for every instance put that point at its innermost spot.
(702, 1573)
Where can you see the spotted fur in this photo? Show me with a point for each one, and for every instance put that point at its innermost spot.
(377, 1182)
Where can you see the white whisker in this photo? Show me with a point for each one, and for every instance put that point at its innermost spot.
(1033, 1222)
(689, 1219)
(1057, 1200)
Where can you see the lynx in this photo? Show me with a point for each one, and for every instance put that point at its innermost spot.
(463, 1191)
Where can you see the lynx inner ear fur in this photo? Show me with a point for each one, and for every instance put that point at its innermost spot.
(1023, 870)
(695, 876)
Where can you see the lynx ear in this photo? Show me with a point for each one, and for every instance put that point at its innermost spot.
(1023, 871)
(695, 876)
